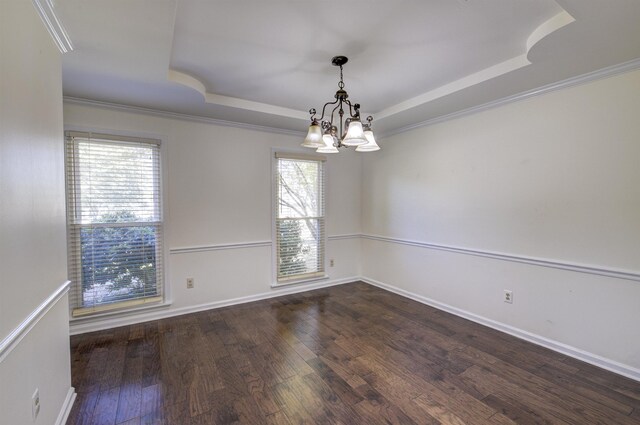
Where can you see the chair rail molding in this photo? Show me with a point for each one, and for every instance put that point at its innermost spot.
(240, 245)
(218, 247)
(15, 336)
(516, 258)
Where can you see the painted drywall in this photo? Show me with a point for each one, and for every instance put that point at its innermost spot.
(40, 360)
(553, 177)
(218, 191)
(32, 216)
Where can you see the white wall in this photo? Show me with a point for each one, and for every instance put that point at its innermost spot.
(32, 218)
(218, 192)
(555, 177)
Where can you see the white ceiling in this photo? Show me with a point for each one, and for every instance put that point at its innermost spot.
(267, 62)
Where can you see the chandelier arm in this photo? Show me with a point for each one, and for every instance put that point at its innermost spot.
(325, 106)
(350, 108)
(356, 108)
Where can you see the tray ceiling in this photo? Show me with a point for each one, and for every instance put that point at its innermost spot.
(267, 63)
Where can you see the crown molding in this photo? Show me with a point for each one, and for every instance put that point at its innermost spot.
(48, 15)
(607, 72)
(179, 116)
(545, 29)
(471, 80)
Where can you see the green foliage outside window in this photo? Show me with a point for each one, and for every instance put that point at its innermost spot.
(120, 259)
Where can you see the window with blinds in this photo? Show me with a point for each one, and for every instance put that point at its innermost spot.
(299, 226)
(114, 221)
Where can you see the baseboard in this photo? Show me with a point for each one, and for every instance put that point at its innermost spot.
(576, 353)
(89, 325)
(66, 407)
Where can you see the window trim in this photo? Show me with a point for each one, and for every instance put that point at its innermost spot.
(276, 154)
(127, 307)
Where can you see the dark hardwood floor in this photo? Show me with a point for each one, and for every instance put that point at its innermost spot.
(351, 354)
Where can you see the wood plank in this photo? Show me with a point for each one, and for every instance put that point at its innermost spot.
(348, 354)
(566, 395)
(291, 406)
(339, 386)
(83, 408)
(568, 408)
(105, 411)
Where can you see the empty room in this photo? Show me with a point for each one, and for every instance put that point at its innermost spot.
(331, 212)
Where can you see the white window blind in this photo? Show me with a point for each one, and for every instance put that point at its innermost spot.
(114, 221)
(300, 231)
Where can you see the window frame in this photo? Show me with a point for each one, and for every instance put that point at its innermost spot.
(276, 154)
(163, 300)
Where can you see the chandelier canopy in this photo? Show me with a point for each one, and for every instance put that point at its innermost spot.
(326, 136)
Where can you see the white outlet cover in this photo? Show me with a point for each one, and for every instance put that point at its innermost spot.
(508, 296)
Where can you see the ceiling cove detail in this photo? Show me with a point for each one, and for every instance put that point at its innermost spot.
(550, 26)
(48, 15)
(233, 102)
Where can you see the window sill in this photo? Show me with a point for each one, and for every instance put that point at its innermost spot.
(277, 285)
(120, 312)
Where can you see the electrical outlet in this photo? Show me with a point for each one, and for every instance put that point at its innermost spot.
(190, 283)
(35, 404)
(331, 263)
(508, 296)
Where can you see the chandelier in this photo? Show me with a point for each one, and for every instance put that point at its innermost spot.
(326, 136)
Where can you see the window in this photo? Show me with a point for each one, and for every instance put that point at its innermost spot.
(299, 221)
(114, 221)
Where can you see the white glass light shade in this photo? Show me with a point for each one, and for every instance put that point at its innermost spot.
(371, 144)
(314, 137)
(327, 146)
(355, 135)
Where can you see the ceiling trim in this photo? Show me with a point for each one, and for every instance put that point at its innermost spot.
(48, 15)
(460, 84)
(607, 72)
(569, 82)
(546, 28)
(233, 102)
(551, 25)
(175, 115)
